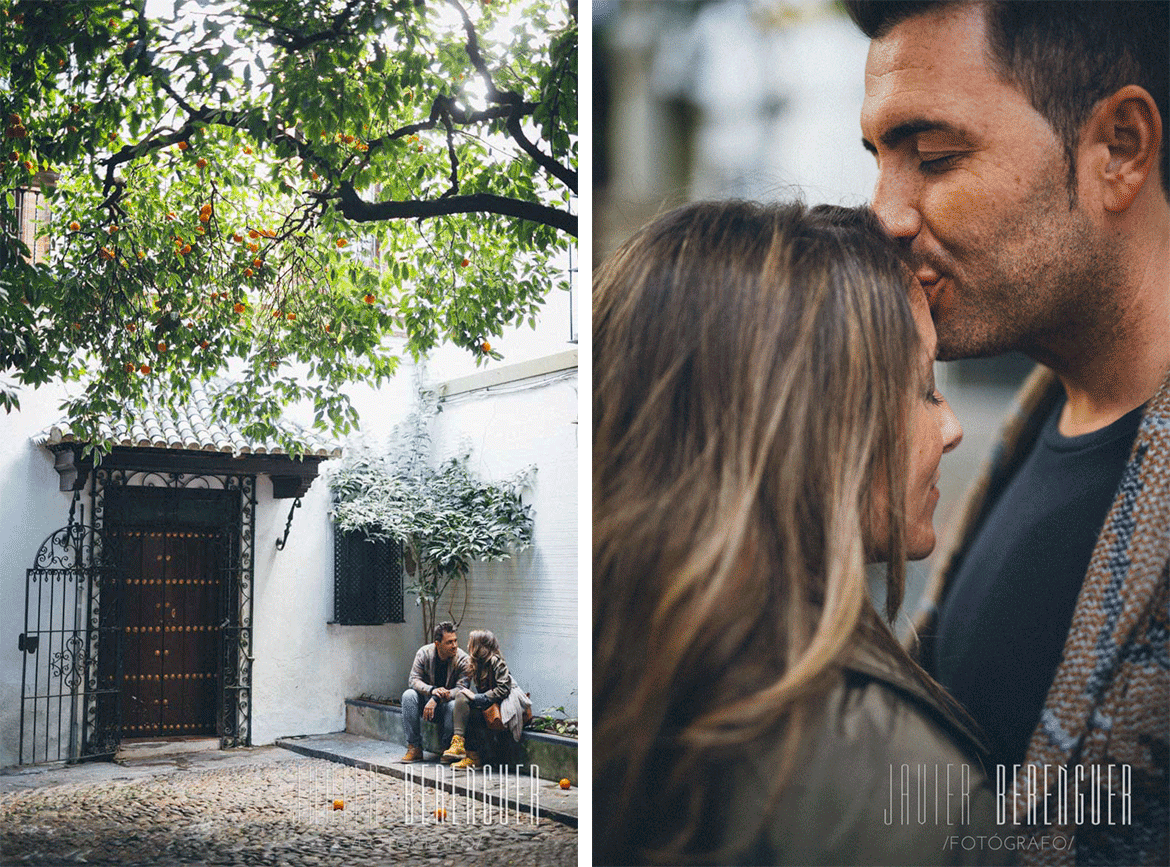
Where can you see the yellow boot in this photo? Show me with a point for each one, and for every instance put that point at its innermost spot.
(455, 752)
(470, 760)
(413, 754)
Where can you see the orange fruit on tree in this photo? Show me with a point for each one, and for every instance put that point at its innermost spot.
(27, 165)
(204, 218)
(369, 299)
(141, 255)
(130, 326)
(341, 242)
(203, 344)
(199, 230)
(292, 317)
(144, 369)
(247, 150)
(201, 163)
(130, 368)
(253, 247)
(186, 249)
(237, 237)
(75, 225)
(485, 346)
(183, 145)
(258, 263)
(111, 229)
(247, 273)
(106, 253)
(238, 307)
(162, 347)
(464, 263)
(253, 234)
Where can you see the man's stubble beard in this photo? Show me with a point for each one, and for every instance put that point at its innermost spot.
(1045, 282)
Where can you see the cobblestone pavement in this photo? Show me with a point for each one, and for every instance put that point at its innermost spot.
(271, 806)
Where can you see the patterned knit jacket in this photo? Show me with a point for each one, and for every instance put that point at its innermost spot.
(1110, 700)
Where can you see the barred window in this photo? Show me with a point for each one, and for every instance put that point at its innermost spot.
(367, 579)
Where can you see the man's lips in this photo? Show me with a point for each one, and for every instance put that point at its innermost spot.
(930, 280)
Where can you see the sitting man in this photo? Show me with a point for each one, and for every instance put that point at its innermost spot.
(436, 670)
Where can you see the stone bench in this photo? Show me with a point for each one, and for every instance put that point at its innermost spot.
(554, 755)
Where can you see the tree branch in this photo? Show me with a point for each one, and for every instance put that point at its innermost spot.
(512, 99)
(355, 208)
(294, 41)
(562, 173)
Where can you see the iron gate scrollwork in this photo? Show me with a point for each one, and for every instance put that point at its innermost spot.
(233, 510)
(67, 685)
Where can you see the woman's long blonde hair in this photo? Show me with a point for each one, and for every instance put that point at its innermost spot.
(752, 372)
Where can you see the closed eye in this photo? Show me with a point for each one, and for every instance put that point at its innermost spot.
(938, 164)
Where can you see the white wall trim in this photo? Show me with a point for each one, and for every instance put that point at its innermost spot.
(542, 366)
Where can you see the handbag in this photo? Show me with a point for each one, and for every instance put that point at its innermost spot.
(491, 716)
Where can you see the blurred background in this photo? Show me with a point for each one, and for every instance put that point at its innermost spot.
(756, 99)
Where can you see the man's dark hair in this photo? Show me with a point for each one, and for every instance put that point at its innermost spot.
(1063, 56)
(444, 628)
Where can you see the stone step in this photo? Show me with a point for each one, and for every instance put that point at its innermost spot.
(134, 749)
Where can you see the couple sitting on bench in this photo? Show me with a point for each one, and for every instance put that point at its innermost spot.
(468, 694)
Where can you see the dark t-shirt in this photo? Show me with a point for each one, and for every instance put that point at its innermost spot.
(1004, 622)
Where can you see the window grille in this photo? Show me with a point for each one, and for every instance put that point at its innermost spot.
(367, 579)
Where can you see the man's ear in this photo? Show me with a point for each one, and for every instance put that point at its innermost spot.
(1128, 126)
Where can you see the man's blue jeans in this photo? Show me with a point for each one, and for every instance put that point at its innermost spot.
(412, 707)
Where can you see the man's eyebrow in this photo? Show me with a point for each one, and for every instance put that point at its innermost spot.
(894, 136)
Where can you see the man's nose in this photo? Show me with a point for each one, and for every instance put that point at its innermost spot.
(895, 201)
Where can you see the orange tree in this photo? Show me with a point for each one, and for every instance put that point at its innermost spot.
(272, 188)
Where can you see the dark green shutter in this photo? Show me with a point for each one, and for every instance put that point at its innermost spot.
(367, 579)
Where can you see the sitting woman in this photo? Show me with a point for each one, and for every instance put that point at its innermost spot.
(492, 685)
(766, 423)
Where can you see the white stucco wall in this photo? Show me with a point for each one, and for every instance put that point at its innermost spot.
(31, 508)
(530, 602)
(305, 667)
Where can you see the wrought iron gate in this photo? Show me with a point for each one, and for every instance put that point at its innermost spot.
(128, 503)
(69, 690)
(75, 636)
